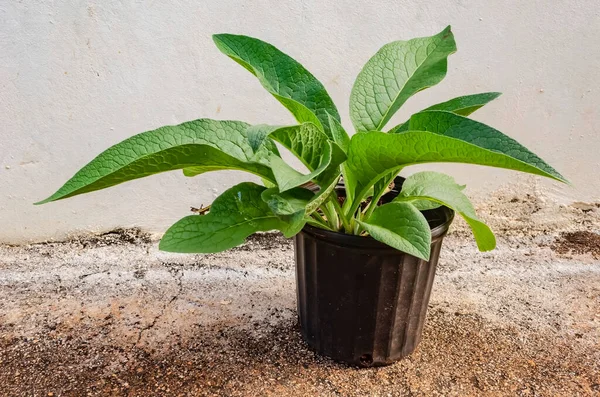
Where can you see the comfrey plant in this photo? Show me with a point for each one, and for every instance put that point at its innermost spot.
(368, 161)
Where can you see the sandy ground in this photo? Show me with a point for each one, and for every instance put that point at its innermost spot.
(110, 315)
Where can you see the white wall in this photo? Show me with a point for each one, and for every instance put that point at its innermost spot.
(77, 77)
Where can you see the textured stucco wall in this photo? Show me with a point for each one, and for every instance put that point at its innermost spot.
(78, 76)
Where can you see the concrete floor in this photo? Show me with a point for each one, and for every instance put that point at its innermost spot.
(111, 315)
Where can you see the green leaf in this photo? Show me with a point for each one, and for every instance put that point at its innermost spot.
(288, 178)
(312, 147)
(257, 135)
(289, 206)
(401, 226)
(318, 225)
(309, 144)
(234, 215)
(380, 187)
(322, 195)
(463, 105)
(196, 146)
(433, 187)
(375, 154)
(267, 183)
(306, 141)
(455, 126)
(396, 72)
(287, 203)
(340, 136)
(287, 80)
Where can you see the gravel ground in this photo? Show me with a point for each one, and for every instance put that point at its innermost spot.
(110, 315)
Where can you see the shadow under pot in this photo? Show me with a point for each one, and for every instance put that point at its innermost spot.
(360, 301)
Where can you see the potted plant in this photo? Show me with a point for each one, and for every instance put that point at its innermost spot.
(367, 247)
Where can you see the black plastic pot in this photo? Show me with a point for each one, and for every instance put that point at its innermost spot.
(360, 301)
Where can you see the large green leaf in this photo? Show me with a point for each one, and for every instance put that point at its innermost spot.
(455, 126)
(197, 146)
(234, 215)
(429, 186)
(396, 72)
(463, 105)
(375, 154)
(401, 226)
(287, 80)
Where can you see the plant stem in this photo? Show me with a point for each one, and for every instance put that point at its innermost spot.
(338, 210)
(357, 228)
(375, 199)
(327, 210)
(333, 213)
(353, 207)
(318, 217)
(318, 223)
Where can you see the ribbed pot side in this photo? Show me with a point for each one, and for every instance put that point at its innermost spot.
(360, 301)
